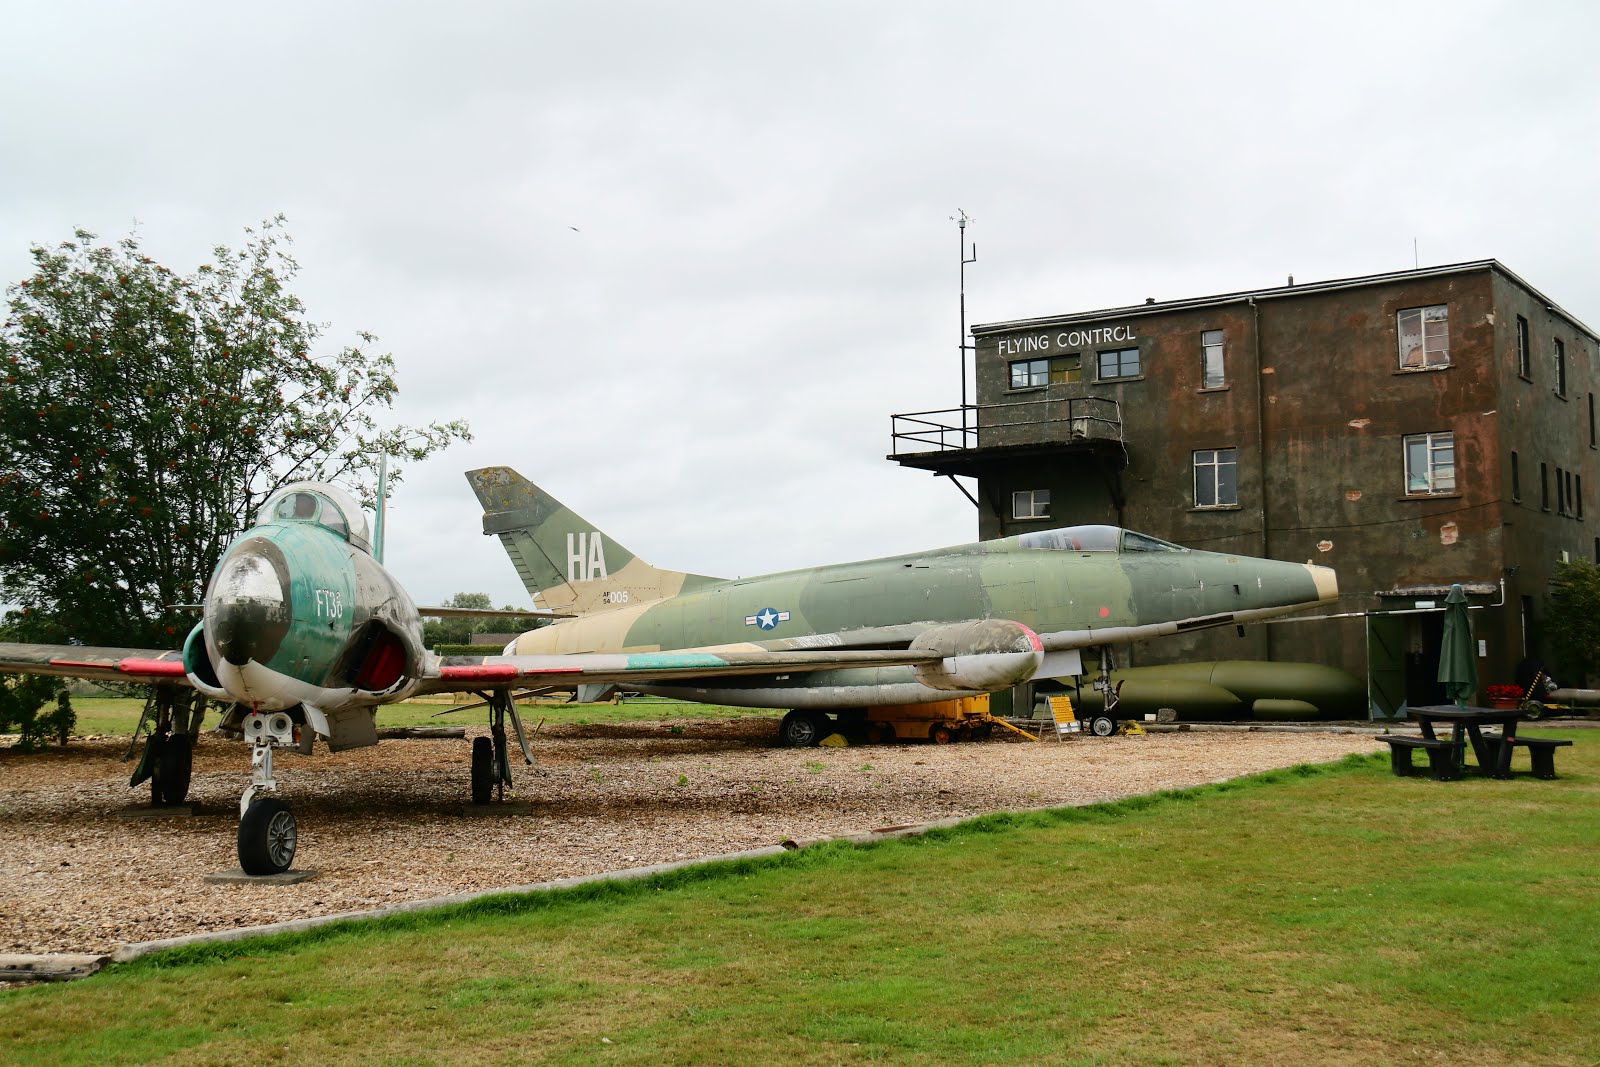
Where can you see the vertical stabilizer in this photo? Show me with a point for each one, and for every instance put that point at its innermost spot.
(566, 563)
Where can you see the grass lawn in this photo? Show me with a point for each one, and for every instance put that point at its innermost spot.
(1305, 916)
(117, 716)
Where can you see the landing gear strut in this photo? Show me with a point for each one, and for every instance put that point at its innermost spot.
(1105, 724)
(168, 758)
(491, 756)
(267, 832)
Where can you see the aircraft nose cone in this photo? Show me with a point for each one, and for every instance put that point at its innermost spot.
(247, 611)
(1327, 582)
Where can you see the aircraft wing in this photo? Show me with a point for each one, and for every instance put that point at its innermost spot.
(102, 664)
(469, 673)
(488, 613)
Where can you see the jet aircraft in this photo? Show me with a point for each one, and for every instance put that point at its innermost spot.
(979, 607)
(304, 634)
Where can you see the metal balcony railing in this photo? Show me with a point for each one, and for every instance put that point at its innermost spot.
(1066, 420)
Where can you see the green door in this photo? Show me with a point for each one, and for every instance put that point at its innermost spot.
(1386, 666)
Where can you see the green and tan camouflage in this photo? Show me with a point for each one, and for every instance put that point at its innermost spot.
(566, 563)
(1074, 588)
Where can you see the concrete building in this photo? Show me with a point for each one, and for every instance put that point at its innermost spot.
(1410, 429)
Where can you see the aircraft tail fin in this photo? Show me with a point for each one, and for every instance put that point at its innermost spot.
(566, 563)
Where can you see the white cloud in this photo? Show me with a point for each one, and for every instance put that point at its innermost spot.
(762, 269)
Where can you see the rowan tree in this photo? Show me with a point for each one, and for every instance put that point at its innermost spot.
(146, 415)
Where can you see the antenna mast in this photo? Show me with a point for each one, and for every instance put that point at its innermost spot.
(961, 218)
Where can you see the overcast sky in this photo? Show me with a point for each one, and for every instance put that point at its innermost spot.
(680, 262)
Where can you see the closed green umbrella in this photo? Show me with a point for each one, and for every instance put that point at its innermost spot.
(1458, 669)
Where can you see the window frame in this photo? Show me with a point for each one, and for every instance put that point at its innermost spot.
(1422, 312)
(1216, 350)
(1068, 365)
(1524, 351)
(1516, 479)
(1215, 465)
(1560, 358)
(1121, 362)
(1038, 503)
(1432, 442)
(1015, 364)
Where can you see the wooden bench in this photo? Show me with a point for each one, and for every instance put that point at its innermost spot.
(1441, 755)
(1541, 752)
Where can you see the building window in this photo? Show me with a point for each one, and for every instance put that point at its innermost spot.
(1544, 486)
(1031, 504)
(1026, 372)
(1591, 421)
(1561, 367)
(1524, 357)
(1561, 491)
(1577, 493)
(1216, 477)
(1424, 337)
(1212, 375)
(1118, 363)
(1430, 463)
(1516, 480)
(1057, 370)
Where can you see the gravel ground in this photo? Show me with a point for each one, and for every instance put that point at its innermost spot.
(384, 824)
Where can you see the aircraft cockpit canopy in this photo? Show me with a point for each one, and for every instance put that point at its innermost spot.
(1095, 539)
(326, 505)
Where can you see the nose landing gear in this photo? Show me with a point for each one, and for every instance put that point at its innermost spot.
(267, 832)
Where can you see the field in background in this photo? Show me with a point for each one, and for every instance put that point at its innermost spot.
(117, 716)
(1312, 915)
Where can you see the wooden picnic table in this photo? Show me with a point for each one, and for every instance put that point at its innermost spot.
(1493, 752)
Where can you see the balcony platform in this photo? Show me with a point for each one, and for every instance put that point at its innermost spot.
(969, 440)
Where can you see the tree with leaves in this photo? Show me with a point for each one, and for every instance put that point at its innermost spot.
(460, 630)
(1574, 620)
(146, 415)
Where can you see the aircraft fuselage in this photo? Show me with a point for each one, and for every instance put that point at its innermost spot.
(1075, 588)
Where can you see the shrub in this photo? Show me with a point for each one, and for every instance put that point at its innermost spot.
(23, 697)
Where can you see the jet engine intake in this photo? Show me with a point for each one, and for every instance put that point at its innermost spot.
(983, 655)
(376, 660)
(198, 666)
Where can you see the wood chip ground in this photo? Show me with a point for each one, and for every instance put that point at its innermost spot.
(384, 824)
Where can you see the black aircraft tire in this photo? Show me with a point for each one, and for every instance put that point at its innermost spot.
(1102, 726)
(177, 763)
(155, 749)
(482, 769)
(267, 837)
(801, 729)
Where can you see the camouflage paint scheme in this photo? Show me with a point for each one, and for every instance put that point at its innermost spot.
(1074, 588)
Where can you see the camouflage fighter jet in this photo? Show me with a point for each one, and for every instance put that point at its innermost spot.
(989, 615)
(304, 634)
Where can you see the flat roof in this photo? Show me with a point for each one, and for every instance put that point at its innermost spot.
(1277, 292)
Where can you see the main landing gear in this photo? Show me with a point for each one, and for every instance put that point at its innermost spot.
(167, 764)
(803, 728)
(491, 756)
